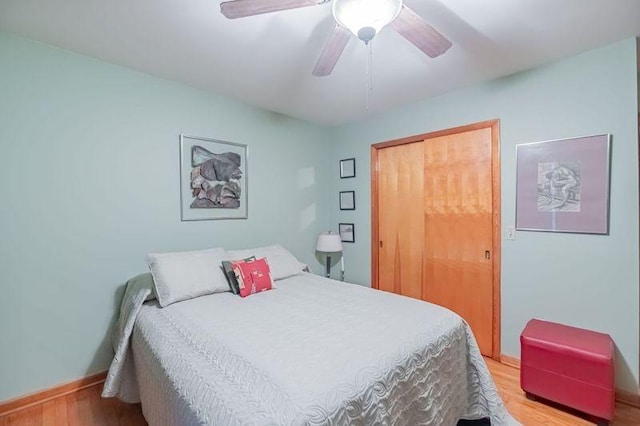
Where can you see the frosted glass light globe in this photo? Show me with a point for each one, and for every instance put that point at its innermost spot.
(365, 18)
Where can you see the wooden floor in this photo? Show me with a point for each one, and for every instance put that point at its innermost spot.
(83, 408)
(537, 413)
(88, 408)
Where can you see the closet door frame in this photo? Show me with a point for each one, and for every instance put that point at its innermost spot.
(494, 125)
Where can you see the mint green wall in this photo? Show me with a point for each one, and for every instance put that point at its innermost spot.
(584, 280)
(89, 184)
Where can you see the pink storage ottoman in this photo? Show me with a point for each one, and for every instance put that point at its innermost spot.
(571, 366)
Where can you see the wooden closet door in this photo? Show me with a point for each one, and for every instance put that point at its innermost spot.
(435, 224)
(401, 215)
(458, 232)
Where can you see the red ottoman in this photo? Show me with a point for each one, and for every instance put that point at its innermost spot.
(570, 366)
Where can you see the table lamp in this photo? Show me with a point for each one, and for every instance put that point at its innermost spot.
(329, 243)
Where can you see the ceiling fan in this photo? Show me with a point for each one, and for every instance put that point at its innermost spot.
(363, 18)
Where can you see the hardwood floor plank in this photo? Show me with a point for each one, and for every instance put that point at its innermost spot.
(111, 408)
(119, 413)
(49, 413)
(79, 409)
(136, 416)
(99, 416)
(86, 407)
(61, 416)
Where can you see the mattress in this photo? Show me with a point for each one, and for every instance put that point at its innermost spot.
(312, 351)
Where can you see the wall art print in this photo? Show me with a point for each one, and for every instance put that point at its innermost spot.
(348, 168)
(347, 200)
(213, 179)
(347, 232)
(563, 185)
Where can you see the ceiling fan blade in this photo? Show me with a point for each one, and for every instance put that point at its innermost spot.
(241, 8)
(331, 52)
(422, 35)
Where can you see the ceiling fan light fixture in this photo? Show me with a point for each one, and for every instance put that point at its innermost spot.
(365, 18)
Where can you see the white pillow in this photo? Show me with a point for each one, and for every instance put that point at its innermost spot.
(185, 275)
(282, 263)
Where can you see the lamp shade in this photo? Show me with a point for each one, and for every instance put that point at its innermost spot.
(329, 243)
(357, 15)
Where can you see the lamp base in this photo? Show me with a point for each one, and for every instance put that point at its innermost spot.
(328, 271)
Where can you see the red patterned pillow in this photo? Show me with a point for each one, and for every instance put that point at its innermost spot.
(253, 276)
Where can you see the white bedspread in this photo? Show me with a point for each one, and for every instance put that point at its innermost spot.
(312, 351)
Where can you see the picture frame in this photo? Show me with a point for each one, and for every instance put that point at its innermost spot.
(347, 232)
(347, 168)
(213, 179)
(347, 200)
(563, 185)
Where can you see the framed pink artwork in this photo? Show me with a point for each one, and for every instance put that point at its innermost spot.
(563, 185)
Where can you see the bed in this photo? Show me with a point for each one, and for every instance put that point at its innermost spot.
(311, 351)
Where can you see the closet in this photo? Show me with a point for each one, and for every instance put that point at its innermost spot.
(436, 223)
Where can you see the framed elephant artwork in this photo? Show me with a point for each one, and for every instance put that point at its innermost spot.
(213, 179)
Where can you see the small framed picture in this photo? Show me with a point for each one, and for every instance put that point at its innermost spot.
(347, 200)
(347, 168)
(347, 232)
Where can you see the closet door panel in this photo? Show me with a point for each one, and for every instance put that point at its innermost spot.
(401, 219)
(458, 228)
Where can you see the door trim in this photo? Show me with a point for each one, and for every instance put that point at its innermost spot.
(494, 125)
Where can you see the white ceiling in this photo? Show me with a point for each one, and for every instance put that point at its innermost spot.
(267, 60)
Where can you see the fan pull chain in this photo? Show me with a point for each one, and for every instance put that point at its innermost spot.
(369, 73)
(371, 66)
